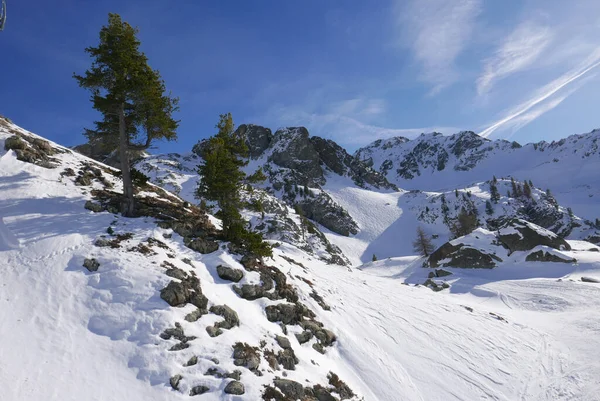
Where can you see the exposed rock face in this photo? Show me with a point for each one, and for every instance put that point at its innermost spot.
(545, 256)
(290, 388)
(462, 256)
(325, 211)
(245, 355)
(293, 149)
(186, 291)
(32, 150)
(520, 235)
(197, 390)
(258, 138)
(202, 245)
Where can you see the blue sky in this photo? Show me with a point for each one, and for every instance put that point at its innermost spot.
(352, 71)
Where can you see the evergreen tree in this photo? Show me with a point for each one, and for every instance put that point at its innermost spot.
(130, 97)
(464, 224)
(456, 193)
(527, 190)
(515, 188)
(422, 245)
(221, 180)
(489, 209)
(495, 195)
(495, 180)
(374, 258)
(531, 184)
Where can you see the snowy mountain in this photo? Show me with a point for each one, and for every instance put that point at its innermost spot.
(434, 162)
(95, 306)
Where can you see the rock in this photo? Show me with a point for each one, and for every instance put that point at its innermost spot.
(325, 211)
(91, 264)
(521, 235)
(545, 256)
(235, 387)
(192, 361)
(250, 291)
(195, 315)
(288, 313)
(290, 388)
(175, 294)
(103, 242)
(257, 138)
(214, 331)
(442, 273)
(326, 337)
(590, 280)
(230, 316)
(197, 390)
(323, 394)
(245, 355)
(283, 342)
(94, 207)
(319, 348)
(179, 347)
(174, 381)
(287, 358)
(229, 273)
(177, 273)
(304, 337)
(202, 245)
(462, 256)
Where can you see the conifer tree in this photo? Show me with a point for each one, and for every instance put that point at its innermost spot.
(494, 194)
(374, 258)
(422, 245)
(130, 97)
(222, 178)
(464, 224)
(527, 190)
(489, 209)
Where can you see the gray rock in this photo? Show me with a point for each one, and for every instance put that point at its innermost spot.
(250, 291)
(177, 273)
(174, 381)
(304, 337)
(235, 387)
(326, 337)
(245, 355)
(229, 273)
(528, 236)
(325, 211)
(287, 358)
(290, 388)
(195, 315)
(102, 242)
(214, 331)
(94, 207)
(192, 361)
(91, 264)
(590, 280)
(283, 342)
(175, 294)
(462, 256)
(257, 138)
(230, 316)
(179, 347)
(197, 390)
(288, 313)
(543, 256)
(202, 245)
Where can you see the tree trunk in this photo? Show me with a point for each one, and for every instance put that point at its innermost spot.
(127, 203)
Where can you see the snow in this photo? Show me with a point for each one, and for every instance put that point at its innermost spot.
(531, 330)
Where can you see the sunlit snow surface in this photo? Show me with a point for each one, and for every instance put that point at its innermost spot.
(68, 334)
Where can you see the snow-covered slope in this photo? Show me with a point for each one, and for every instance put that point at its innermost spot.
(434, 162)
(523, 331)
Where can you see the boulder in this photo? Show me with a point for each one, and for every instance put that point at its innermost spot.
(462, 256)
(93, 206)
(229, 273)
(201, 245)
(246, 355)
(234, 387)
(283, 342)
(175, 294)
(91, 264)
(545, 256)
(174, 381)
(290, 388)
(197, 390)
(521, 235)
(230, 316)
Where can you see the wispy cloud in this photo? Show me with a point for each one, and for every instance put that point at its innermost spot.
(519, 50)
(545, 98)
(437, 32)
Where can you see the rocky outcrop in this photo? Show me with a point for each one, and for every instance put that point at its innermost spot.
(463, 256)
(521, 235)
(545, 256)
(329, 214)
(258, 138)
(229, 273)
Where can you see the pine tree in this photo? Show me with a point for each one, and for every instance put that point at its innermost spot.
(515, 188)
(527, 190)
(374, 258)
(130, 96)
(494, 194)
(422, 245)
(489, 209)
(495, 180)
(464, 224)
(221, 179)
